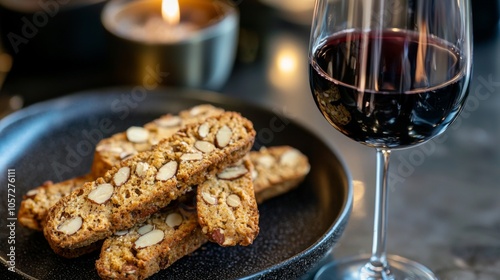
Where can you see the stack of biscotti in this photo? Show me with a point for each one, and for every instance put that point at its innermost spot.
(170, 234)
(182, 234)
(289, 169)
(146, 182)
(139, 252)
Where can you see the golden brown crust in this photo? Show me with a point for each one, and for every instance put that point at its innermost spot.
(140, 196)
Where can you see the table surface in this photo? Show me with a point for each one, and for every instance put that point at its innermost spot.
(444, 194)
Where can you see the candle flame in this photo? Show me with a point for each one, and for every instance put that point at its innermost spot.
(170, 11)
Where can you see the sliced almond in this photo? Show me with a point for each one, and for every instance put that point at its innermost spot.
(129, 268)
(197, 110)
(255, 174)
(121, 232)
(151, 238)
(169, 121)
(174, 220)
(137, 134)
(101, 193)
(115, 150)
(191, 156)
(203, 130)
(141, 169)
(145, 229)
(121, 176)
(167, 171)
(109, 148)
(209, 198)
(233, 200)
(223, 136)
(266, 161)
(204, 146)
(101, 148)
(233, 172)
(70, 226)
(32, 193)
(290, 158)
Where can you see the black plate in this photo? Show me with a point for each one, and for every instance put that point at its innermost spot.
(54, 141)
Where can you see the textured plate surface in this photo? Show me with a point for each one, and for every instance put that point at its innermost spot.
(54, 140)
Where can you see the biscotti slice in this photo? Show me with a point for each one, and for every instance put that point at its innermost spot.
(36, 202)
(282, 167)
(227, 210)
(147, 182)
(110, 151)
(143, 250)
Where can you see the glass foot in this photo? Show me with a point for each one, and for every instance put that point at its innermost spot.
(351, 269)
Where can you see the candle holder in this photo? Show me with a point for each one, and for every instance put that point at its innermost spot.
(198, 51)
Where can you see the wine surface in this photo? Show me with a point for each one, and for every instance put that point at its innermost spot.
(388, 89)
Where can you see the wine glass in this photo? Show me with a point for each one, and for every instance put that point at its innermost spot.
(389, 74)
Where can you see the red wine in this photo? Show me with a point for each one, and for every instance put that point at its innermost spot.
(390, 89)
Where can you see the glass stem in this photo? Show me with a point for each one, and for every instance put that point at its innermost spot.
(378, 267)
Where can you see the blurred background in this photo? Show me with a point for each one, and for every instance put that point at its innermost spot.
(54, 47)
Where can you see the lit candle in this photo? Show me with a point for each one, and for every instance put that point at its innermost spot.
(193, 40)
(148, 21)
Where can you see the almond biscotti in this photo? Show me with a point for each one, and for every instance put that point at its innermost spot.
(226, 206)
(283, 167)
(146, 182)
(132, 255)
(110, 151)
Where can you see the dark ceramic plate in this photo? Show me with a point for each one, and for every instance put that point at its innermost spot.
(54, 141)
